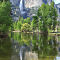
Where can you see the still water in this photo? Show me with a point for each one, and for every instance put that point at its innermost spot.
(22, 46)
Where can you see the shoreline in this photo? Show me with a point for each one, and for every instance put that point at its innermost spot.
(38, 32)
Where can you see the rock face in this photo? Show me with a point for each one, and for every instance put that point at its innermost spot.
(15, 2)
(26, 8)
(33, 3)
(58, 11)
(36, 3)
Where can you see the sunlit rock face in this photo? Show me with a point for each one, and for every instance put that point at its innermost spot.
(36, 3)
(33, 3)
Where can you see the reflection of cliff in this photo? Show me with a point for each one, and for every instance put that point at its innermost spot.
(31, 56)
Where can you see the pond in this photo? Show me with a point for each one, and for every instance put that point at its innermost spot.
(23, 46)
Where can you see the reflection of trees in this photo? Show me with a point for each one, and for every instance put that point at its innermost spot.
(45, 45)
(22, 38)
(35, 41)
(42, 44)
(5, 47)
(26, 38)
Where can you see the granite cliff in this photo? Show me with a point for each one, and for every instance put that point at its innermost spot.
(36, 3)
(30, 7)
(31, 3)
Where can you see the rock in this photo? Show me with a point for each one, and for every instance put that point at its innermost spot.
(26, 8)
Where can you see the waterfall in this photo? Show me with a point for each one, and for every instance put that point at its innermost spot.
(22, 6)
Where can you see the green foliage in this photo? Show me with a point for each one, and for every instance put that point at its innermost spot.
(21, 20)
(35, 41)
(4, 0)
(53, 15)
(40, 24)
(25, 27)
(5, 18)
(27, 20)
(18, 25)
(34, 23)
(14, 25)
(48, 17)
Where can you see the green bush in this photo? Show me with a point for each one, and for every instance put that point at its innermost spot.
(25, 27)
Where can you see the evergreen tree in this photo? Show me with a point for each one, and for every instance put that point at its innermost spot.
(48, 16)
(5, 18)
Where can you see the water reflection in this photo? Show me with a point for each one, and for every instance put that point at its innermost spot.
(5, 48)
(37, 46)
(22, 46)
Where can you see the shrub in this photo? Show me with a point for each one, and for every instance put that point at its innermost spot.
(25, 27)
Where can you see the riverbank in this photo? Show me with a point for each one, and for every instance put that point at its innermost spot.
(3, 35)
(39, 32)
(50, 33)
(54, 33)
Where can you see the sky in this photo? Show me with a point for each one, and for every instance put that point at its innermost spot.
(57, 1)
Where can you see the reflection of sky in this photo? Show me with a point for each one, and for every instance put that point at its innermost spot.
(57, 58)
(57, 1)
